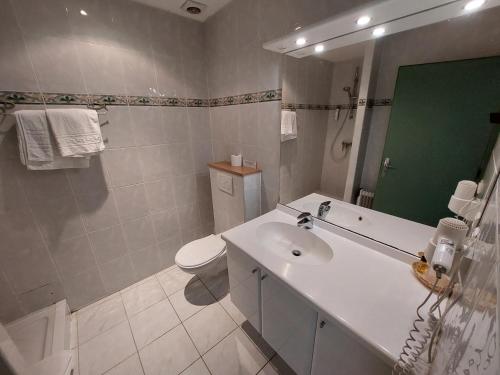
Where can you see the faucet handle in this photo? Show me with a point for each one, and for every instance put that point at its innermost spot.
(326, 203)
(305, 220)
(305, 215)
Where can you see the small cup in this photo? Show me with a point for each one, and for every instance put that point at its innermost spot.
(236, 160)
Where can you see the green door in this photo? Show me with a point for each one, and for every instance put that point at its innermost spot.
(439, 133)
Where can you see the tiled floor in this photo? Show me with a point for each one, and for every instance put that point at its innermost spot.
(168, 324)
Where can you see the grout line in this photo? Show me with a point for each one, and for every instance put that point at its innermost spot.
(132, 334)
(184, 327)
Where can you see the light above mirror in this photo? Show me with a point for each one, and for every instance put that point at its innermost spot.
(395, 16)
(473, 5)
(319, 48)
(363, 20)
(379, 31)
(83, 12)
(300, 41)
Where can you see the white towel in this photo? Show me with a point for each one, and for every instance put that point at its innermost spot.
(36, 144)
(77, 131)
(33, 129)
(288, 125)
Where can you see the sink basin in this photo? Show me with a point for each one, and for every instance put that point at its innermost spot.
(296, 245)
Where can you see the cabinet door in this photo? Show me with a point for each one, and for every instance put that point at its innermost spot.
(288, 324)
(338, 352)
(244, 284)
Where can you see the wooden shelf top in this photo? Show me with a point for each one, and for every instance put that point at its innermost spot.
(225, 166)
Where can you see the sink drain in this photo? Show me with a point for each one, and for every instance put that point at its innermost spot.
(297, 253)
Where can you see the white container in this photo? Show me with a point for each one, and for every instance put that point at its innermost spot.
(236, 160)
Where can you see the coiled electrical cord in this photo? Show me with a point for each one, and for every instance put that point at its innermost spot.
(414, 345)
(418, 337)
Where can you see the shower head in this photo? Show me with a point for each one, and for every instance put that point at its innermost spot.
(347, 89)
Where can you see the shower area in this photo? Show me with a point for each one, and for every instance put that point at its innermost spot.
(324, 94)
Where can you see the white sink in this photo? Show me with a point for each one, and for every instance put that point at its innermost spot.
(340, 215)
(296, 245)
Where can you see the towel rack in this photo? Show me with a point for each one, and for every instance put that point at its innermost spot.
(7, 105)
(98, 107)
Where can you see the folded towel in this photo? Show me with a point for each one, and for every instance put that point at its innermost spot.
(59, 163)
(36, 144)
(32, 126)
(77, 131)
(288, 125)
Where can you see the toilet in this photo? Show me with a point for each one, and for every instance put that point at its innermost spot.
(201, 255)
(235, 199)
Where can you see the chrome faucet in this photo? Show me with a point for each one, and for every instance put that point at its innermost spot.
(305, 220)
(323, 209)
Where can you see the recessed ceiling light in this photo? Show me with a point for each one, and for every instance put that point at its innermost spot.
(363, 20)
(319, 48)
(300, 41)
(83, 12)
(379, 31)
(474, 4)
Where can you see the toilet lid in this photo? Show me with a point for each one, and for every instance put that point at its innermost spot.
(199, 252)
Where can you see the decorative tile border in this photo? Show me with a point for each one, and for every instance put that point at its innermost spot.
(370, 103)
(254, 97)
(331, 107)
(111, 100)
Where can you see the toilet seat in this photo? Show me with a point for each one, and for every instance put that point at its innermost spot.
(200, 252)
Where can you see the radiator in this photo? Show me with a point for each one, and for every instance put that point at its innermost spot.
(365, 198)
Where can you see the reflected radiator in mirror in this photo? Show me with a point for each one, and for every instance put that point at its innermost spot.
(365, 198)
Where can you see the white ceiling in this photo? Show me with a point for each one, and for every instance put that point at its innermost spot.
(174, 6)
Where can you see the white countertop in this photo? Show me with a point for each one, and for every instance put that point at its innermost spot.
(403, 234)
(372, 294)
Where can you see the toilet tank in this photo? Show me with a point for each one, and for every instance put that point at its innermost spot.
(236, 194)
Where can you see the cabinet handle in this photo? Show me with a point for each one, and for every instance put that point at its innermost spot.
(255, 270)
(322, 324)
(263, 277)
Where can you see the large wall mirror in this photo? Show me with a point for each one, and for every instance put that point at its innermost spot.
(387, 127)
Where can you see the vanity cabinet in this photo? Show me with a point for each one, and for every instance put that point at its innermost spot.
(338, 352)
(308, 341)
(244, 283)
(288, 324)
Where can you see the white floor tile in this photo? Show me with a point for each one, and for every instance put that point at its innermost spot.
(192, 299)
(153, 322)
(140, 282)
(100, 317)
(232, 310)
(277, 367)
(131, 366)
(209, 326)
(173, 280)
(197, 368)
(217, 283)
(235, 355)
(105, 351)
(142, 296)
(170, 354)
